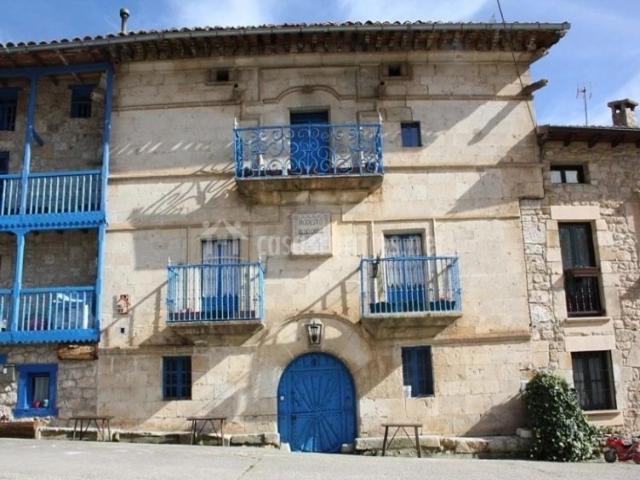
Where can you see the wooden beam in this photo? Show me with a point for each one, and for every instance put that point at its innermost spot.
(567, 139)
(593, 140)
(532, 87)
(615, 141)
(64, 60)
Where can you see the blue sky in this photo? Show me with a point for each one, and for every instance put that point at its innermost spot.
(602, 48)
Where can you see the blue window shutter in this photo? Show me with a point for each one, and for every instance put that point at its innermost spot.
(411, 134)
(3, 359)
(417, 370)
(176, 378)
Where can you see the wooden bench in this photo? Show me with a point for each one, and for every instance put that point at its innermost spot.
(203, 421)
(401, 426)
(102, 424)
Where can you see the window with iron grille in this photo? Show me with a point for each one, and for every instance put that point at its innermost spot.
(417, 370)
(593, 379)
(81, 101)
(581, 273)
(176, 381)
(411, 134)
(8, 108)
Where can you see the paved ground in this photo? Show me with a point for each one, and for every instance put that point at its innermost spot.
(53, 460)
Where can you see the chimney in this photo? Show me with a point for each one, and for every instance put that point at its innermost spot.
(623, 113)
(124, 16)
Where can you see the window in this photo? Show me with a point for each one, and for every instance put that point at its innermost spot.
(403, 245)
(219, 75)
(417, 371)
(593, 379)
(581, 275)
(81, 101)
(8, 108)
(176, 378)
(395, 70)
(37, 386)
(4, 164)
(567, 174)
(411, 136)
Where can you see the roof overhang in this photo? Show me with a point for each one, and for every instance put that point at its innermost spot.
(592, 135)
(532, 38)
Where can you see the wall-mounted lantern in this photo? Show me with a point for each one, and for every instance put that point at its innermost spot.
(314, 332)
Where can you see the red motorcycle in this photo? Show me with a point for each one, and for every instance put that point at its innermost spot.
(619, 448)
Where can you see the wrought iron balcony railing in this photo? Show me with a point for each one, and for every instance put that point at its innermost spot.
(60, 194)
(215, 292)
(308, 150)
(400, 286)
(49, 314)
(582, 290)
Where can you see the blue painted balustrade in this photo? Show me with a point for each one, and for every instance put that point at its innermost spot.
(50, 314)
(401, 286)
(52, 198)
(308, 150)
(215, 292)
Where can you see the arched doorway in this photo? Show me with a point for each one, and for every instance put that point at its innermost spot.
(316, 404)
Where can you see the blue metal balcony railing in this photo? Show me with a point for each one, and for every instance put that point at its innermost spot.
(308, 150)
(215, 292)
(410, 285)
(52, 193)
(50, 314)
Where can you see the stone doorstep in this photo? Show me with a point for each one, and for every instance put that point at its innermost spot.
(177, 437)
(496, 446)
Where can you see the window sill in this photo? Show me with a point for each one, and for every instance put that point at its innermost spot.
(602, 413)
(589, 319)
(35, 412)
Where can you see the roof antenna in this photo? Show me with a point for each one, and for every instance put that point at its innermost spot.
(124, 16)
(585, 93)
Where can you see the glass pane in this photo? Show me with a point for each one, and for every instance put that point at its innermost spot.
(556, 176)
(40, 390)
(571, 176)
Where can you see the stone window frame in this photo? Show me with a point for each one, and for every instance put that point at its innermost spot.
(609, 373)
(26, 372)
(413, 124)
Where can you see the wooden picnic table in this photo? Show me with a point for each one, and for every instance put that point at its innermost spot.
(203, 421)
(401, 426)
(102, 423)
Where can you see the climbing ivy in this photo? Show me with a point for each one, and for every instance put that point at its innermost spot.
(560, 431)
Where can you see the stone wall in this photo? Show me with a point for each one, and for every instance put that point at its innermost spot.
(609, 200)
(77, 381)
(171, 187)
(69, 143)
(51, 258)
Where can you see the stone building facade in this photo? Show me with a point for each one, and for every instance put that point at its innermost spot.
(604, 195)
(410, 269)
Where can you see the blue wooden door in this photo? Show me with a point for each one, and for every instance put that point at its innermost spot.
(310, 146)
(316, 404)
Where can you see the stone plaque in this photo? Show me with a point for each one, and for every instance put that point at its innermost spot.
(311, 234)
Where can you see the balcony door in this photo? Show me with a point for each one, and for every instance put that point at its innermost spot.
(405, 272)
(221, 277)
(310, 143)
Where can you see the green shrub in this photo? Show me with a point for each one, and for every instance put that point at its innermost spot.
(560, 431)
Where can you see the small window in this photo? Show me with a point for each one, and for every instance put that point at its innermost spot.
(176, 382)
(593, 379)
(411, 135)
(37, 385)
(581, 274)
(223, 75)
(394, 70)
(81, 101)
(8, 108)
(417, 370)
(567, 174)
(4, 164)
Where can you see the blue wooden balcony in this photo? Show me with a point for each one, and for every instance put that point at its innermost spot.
(215, 293)
(308, 157)
(49, 315)
(52, 199)
(410, 287)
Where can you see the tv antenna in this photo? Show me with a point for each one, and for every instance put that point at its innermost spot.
(584, 91)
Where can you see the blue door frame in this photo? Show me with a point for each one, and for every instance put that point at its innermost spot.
(316, 404)
(310, 146)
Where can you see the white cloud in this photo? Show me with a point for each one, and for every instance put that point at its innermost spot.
(434, 10)
(225, 13)
(258, 12)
